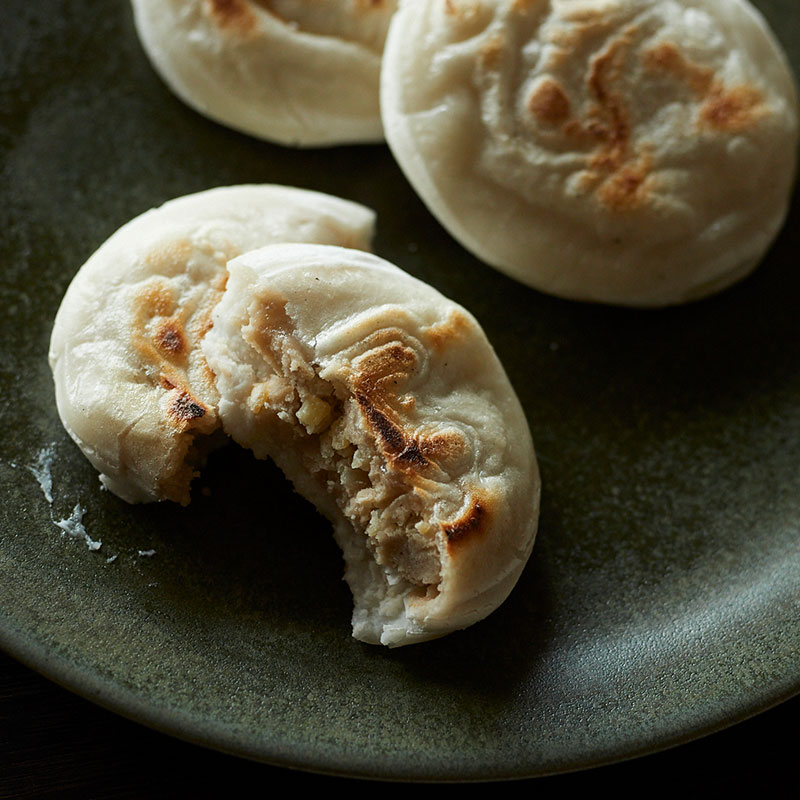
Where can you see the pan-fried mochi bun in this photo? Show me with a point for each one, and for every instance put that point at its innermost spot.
(635, 152)
(387, 407)
(296, 72)
(132, 386)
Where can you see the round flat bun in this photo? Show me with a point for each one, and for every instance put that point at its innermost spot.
(132, 386)
(296, 72)
(633, 152)
(388, 409)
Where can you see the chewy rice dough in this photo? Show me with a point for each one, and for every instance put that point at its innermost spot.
(132, 386)
(296, 72)
(387, 407)
(634, 152)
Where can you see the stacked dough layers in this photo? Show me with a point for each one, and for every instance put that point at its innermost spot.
(636, 152)
(132, 386)
(297, 72)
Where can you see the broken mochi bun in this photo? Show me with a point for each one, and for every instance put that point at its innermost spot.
(132, 386)
(296, 72)
(632, 152)
(386, 406)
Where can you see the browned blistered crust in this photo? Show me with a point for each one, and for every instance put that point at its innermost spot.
(237, 17)
(472, 524)
(370, 5)
(164, 334)
(441, 335)
(184, 408)
(233, 15)
(619, 174)
(549, 104)
(491, 51)
(523, 6)
(463, 11)
(621, 177)
(169, 338)
(732, 110)
(375, 386)
(723, 109)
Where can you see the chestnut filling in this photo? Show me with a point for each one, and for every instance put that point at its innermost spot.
(319, 427)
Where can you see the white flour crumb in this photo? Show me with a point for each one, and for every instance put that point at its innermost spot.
(73, 525)
(111, 559)
(41, 470)
(147, 553)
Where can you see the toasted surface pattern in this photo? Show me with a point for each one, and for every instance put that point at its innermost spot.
(387, 407)
(297, 72)
(637, 152)
(132, 385)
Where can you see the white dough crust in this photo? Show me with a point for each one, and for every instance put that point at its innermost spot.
(387, 407)
(133, 388)
(296, 72)
(634, 152)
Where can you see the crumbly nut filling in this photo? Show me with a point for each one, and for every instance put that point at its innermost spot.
(323, 425)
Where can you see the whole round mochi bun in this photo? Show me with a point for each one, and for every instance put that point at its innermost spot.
(296, 72)
(386, 406)
(132, 386)
(632, 152)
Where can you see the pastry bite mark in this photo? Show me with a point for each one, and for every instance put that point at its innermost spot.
(418, 454)
(309, 415)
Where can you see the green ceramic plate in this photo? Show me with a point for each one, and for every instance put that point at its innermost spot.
(663, 599)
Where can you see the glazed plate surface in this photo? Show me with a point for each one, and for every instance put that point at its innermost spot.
(662, 601)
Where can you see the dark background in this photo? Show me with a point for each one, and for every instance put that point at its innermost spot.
(54, 744)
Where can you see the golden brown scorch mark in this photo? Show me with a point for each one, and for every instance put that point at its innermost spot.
(376, 382)
(472, 524)
(454, 329)
(170, 339)
(619, 177)
(491, 51)
(723, 109)
(233, 15)
(185, 409)
(370, 5)
(733, 109)
(166, 328)
(549, 103)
